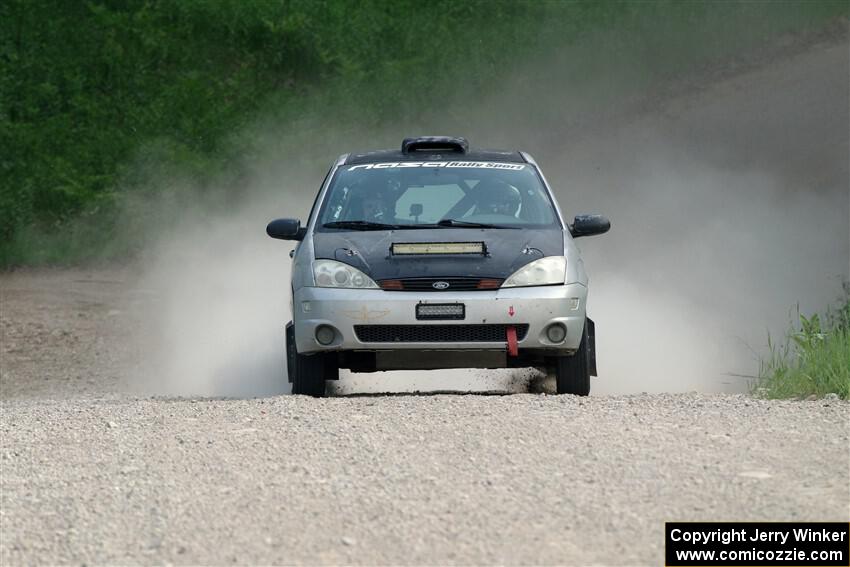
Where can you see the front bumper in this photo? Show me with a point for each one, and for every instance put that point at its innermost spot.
(342, 309)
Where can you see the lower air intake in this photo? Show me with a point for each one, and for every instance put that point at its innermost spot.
(436, 333)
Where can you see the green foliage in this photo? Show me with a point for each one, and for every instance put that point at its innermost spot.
(813, 360)
(101, 99)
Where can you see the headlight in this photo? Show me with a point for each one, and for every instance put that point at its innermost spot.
(545, 271)
(330, 273)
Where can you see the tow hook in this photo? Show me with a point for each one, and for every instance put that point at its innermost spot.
(513, 347)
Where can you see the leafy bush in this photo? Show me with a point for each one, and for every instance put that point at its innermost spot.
(100, 97)
(814, 359)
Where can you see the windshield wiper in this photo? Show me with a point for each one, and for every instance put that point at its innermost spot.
(468, 224)
(360, 225)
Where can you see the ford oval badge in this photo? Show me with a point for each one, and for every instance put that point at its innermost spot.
(440, 285)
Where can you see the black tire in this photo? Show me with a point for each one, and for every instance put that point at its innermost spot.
(572, 373)
(307, 373)
(290, 352)
(309, 376)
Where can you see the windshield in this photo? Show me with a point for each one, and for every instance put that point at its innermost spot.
(411, 195)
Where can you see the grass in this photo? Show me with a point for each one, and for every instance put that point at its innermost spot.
(814, 358)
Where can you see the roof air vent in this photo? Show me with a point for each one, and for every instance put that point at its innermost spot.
(435, 144)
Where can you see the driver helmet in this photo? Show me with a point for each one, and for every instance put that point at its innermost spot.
(373, 206)
(497, 197)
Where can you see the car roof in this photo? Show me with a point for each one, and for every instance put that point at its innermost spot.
(434, 148)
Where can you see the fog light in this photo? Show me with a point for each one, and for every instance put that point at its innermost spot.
(325, 334)
(556, 333)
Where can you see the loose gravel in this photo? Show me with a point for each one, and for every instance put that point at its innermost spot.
(521, 479)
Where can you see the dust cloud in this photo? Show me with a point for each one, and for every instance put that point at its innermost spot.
(729, 200)
(215, 327)
(730, 205)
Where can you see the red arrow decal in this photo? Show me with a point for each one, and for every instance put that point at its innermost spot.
(511, 310)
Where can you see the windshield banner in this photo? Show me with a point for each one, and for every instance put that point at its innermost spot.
(445, 164)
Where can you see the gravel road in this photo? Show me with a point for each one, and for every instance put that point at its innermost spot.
(406, 479)
(92, 475)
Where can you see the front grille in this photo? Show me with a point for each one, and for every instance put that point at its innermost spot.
(427, 284)
(436, 333)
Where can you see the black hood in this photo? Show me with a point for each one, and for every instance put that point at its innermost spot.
(507, 251)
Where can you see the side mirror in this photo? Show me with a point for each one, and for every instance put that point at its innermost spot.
(588, 225)
(286, 229)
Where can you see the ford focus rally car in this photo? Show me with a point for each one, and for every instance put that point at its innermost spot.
(437, 256)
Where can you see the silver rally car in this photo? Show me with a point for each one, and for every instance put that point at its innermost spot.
(437, 256)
